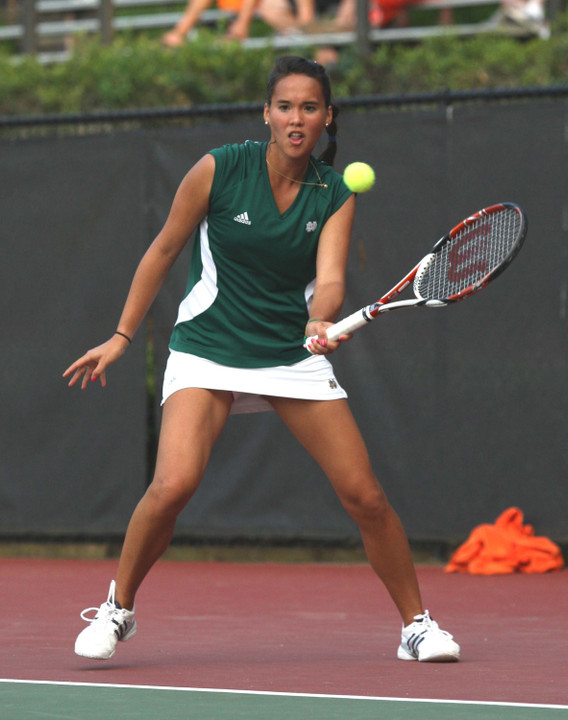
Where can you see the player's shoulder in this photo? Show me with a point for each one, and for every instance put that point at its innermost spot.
(327, 171)
(235, 163)
(338, 190)
(234, 153)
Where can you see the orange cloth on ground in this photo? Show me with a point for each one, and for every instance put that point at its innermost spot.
(506, 547)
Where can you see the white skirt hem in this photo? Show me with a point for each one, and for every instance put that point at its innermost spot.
(310, 379)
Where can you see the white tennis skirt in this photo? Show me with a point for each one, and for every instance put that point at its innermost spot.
(310, 379)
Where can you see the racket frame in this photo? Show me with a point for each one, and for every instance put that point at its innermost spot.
(388, 301)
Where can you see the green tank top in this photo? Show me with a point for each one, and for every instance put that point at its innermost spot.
(253, 269)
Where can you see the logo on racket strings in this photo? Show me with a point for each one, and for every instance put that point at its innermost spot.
(468, 254)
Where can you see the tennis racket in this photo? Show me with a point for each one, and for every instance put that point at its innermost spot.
(460, 264)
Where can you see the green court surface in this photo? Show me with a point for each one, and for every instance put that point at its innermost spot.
(30, 700)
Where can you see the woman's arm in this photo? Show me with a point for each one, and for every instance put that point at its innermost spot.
(329, 290)
(190, 205)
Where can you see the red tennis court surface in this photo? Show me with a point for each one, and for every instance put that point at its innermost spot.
(308, 628)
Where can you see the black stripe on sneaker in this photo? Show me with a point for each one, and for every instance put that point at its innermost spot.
(120, 629)
(414, 641)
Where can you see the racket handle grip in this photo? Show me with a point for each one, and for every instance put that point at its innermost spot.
(343, 327)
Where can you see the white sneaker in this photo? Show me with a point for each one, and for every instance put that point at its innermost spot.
(424, 641)
(109, 626)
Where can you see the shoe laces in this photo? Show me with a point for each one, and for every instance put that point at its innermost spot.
(105, 611)
(425, 623)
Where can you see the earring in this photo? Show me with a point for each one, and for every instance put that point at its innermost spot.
(327, 124)
(266, 122)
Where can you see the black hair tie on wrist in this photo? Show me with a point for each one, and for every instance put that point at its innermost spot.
(117, 332)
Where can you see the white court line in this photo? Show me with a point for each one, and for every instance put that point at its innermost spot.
(269, 693)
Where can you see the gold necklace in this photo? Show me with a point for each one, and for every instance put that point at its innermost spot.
(300, 182)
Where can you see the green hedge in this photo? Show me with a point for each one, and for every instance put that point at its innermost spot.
(136, 72)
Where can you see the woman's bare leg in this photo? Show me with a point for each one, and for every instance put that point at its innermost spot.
(329, 433)
(190, 18)
(191, 423)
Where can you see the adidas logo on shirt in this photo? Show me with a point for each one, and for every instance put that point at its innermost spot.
(243, 218)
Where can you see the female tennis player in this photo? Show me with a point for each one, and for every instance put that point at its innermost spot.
(268, 267)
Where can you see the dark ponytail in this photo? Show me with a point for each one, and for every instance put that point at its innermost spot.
(328, 155)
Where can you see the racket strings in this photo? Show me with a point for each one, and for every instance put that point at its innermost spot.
(476, 250)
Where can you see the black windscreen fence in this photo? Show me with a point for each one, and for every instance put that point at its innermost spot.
(463, 409)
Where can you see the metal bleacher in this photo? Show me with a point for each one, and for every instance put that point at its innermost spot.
(44, 27)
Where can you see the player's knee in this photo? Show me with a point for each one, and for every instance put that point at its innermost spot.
(367, 504)
(169, 495)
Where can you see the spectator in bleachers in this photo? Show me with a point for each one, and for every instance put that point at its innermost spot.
(381, 14)
(278, 14)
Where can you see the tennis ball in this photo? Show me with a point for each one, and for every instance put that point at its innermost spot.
(359, 177)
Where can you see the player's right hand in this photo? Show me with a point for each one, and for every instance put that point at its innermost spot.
(93, 364)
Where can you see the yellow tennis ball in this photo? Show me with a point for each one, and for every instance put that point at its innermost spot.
(359, 177)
